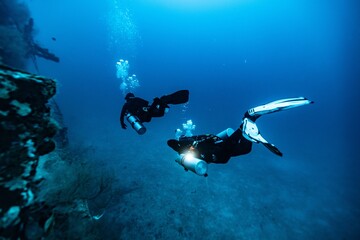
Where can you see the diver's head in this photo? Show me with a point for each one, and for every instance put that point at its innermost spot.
(128, 96)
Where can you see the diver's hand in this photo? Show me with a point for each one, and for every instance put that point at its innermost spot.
(123, 125)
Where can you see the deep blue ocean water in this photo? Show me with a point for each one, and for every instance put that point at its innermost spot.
(231, 55)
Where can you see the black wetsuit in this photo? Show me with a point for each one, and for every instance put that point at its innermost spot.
(135, 106)
(140, 108)
(211, 148)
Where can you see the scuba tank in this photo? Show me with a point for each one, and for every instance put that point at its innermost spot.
(190, 162)
(225, 134)
(136, 124)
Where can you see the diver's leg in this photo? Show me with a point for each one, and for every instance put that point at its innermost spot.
(158, 108)
(239, 144)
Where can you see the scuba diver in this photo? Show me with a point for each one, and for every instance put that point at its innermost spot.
(197, 151)
(137, 110)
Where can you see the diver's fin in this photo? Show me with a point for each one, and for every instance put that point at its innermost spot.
(277, 106)
(251, 132)
(273, 149)
(178, 97)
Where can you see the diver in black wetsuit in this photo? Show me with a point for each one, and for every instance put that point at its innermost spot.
(137, 110)
(194, 152)
(213, 148)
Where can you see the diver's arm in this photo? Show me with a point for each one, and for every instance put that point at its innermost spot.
(122, 115)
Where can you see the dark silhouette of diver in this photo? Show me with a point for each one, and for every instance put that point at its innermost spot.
(195, 152)
(137, 110)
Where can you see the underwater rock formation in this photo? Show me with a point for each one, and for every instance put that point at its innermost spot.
(61, 138)
(26, 132)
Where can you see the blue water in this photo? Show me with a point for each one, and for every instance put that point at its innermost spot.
(231, 55)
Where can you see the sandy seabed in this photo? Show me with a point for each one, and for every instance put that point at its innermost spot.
(258, 196)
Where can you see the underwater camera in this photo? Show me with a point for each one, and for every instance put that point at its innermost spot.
(190, 162)
(136, 124)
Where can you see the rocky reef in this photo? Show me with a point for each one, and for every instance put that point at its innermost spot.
(47, 189)
(26, 133)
